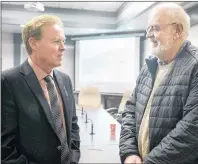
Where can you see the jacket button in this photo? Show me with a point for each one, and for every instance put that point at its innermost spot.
(59, 147)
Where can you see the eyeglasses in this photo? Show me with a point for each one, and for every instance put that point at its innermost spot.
(157, 27)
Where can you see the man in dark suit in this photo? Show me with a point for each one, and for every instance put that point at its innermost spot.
(39, 122)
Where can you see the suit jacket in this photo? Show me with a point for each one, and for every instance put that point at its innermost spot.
(28, 132)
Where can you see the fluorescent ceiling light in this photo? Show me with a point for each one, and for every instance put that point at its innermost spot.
(34, 6)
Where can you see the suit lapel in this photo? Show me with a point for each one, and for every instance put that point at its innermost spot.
(36, 89)
(64, 96)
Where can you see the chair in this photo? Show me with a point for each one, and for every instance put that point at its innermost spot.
(117, 112)
(89, 97)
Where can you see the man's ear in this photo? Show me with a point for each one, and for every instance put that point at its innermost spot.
(179, 30)
(33, 43)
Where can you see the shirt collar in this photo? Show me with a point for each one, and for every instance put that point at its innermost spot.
(162, 62)
(40, 74)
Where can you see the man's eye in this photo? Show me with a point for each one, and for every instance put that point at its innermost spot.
(156, 28)
(56, 41)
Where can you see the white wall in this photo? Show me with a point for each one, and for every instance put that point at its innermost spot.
(7, 51)
(193, 35)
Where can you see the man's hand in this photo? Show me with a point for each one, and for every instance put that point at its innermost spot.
(133, 159)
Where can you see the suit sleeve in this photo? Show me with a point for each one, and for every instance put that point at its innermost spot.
(181, 144)
(9, 152)
(75, 137)
(128, 142)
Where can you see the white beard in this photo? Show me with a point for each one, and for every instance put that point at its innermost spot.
(160, 50)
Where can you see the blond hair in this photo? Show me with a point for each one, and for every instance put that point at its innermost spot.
(34, 28)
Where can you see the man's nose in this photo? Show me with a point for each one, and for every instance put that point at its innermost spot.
(62, 47)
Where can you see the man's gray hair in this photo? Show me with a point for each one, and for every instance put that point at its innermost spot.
(177, 15)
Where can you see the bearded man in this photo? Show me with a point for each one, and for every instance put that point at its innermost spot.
(160, 120)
